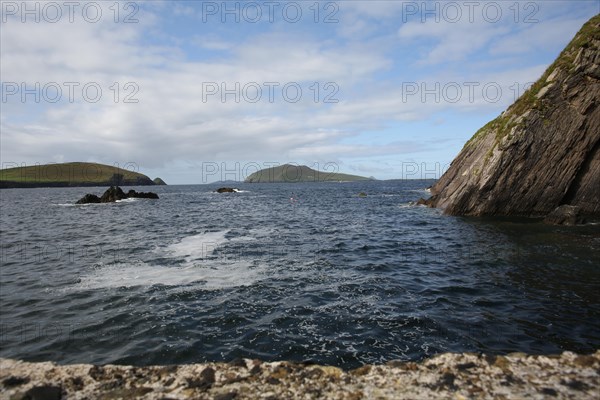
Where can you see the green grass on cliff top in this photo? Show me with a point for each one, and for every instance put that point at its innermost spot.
(73, 173)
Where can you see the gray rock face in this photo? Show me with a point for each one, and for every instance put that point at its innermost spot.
(113, 194)
(543, 152)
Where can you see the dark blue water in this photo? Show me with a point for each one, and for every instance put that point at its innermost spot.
(330, 277)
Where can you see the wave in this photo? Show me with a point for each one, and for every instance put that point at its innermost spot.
(128, 200)
(423, 190)
(411, 204)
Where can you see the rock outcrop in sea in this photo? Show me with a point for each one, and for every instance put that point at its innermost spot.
(446, 376)
(543, 152)
(115, 193)
(227, 190)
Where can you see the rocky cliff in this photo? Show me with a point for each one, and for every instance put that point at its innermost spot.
(542, 152)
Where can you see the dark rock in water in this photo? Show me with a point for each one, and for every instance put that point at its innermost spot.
(141, 195)
(565, 215)
(115, 193)
(226, 190)
(422, 202)
(362, 194)
(542, 152)
(89, 199)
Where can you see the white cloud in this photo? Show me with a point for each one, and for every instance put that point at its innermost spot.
(171, 124)
(454, 41)
(211, 42)
(535, 36)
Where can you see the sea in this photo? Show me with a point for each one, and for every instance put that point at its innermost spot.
(342, 274)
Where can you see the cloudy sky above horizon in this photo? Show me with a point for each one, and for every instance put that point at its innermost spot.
(196, 91)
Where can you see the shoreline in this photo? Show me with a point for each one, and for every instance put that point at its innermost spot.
(448, 375)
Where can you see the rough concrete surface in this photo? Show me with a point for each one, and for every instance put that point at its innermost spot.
(446, 376)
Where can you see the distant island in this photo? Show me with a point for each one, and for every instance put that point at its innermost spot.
(72, 175)
(289, 173)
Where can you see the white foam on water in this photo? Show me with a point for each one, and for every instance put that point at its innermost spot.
(199, 267)
(128, 200)
(77, 205)
(407, 205)
(196, 247)
(422, 190)
(207, 276)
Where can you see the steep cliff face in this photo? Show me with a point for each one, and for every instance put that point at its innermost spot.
(543, 152)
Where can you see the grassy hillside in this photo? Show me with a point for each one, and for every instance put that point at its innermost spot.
(70, 174)
(293, 174)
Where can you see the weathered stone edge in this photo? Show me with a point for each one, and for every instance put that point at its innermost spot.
(456, 376)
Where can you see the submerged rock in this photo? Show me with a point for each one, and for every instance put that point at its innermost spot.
(115, 193)
(542, 152)
(565, 215)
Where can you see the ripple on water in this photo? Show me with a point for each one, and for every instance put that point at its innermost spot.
(332, 278)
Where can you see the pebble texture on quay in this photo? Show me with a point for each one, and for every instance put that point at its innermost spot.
(445, 376)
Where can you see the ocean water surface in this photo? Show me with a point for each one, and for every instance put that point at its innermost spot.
(306, 272)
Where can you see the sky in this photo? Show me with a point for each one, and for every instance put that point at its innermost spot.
(201, 91)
